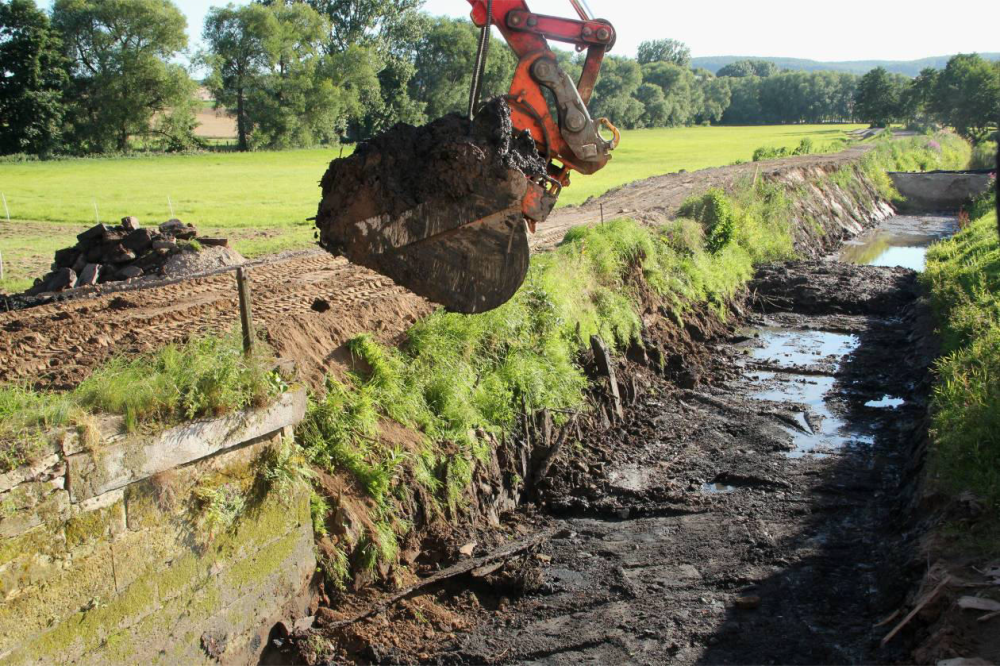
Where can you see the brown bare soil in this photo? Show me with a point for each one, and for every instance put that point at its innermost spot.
(56, 345)
(215, 124)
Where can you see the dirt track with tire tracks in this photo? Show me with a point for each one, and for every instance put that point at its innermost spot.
(58, 344)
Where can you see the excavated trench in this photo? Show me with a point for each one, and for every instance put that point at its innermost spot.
(760, 516)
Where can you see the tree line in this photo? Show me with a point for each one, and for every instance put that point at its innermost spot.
(103, 76)
(964, 95)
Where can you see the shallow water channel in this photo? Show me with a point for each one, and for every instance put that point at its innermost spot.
(899, 241)
(796, 368)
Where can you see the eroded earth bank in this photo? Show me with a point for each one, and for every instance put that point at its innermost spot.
(742, 487)
(759, 516)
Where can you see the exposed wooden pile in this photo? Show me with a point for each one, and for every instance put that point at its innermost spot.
(127, 251)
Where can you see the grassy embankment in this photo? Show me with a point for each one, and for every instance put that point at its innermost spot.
(456, 375)
(963, 277)
(261, 200)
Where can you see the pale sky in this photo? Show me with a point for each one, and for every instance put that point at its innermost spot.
(844, 30)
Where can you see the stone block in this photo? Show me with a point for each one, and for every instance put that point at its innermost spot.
(127, 578)
(135, 459)
(100, 523)
(94, 233)
(119, 254)
(129, 273)
(91, 629)
(30, 559)
(171, 226)
(168, 635)
(90, 274)
(40, 469)
(165, 245)
(61, 280)
(32, 504)
(84, 582)
(139, 240)
(66, 257)
(130, 223)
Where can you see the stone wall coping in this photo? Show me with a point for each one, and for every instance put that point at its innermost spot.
(91, 474)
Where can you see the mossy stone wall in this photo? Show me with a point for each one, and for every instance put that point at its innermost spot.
(135, 574)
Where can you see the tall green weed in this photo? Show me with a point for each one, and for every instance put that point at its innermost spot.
(458, 374)
(963, 277)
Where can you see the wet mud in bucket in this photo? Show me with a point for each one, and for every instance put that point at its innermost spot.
(437, 208)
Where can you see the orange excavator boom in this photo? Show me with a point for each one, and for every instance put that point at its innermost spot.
(444, 209)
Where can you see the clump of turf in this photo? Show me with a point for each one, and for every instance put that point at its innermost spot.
(206, 376)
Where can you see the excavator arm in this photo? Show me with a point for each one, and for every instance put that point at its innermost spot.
(571, 140)
(444, 209)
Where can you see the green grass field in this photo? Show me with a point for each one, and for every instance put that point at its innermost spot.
(261, 200)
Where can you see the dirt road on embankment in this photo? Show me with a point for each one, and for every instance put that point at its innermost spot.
(309, 305)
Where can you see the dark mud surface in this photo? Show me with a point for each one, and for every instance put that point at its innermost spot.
(758, 517)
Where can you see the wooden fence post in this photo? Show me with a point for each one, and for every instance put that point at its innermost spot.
(246, 316)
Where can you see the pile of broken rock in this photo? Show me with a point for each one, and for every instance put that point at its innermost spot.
(112, 253)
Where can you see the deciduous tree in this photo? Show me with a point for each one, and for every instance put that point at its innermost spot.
(749, 67)
(238, 41)
(716, 98)
(679, 90)
(664, 50)
(391, 29)
(877, 98)
(614, 94)
(917, 99)
(445, 57)
(33, 78)
(122, 69)
(967, 95)
(269, 65)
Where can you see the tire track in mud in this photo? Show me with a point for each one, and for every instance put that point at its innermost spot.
(57, 345)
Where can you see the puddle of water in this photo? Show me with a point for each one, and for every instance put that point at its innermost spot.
(824, 431)
(716, 488)
(887, 401)
(900, 241)
(806, 389)
(785, 348)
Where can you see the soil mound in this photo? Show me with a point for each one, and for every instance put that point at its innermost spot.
(201, 261)
(126, 252)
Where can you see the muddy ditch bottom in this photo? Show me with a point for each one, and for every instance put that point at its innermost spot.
(753, 519)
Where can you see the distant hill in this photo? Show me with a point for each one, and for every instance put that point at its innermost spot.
(907, 67)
